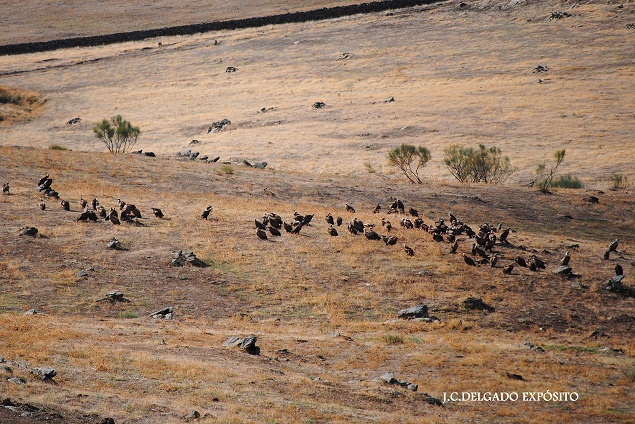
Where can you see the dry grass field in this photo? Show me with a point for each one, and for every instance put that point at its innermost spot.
(324, 308)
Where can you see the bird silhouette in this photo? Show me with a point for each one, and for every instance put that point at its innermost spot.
(377, 208)
(5, 188)
(349, 208)
(339, 221)
(42, 205)
(504, 235)
(521, 261)
(607, 255)
(454, 247)
(565, 259)
(274, 231)
(113, 218)
(408, 250)
(468, 260)
(260, 225)
(390, 241)
(371, 234)
(287, 227)
(332, 231)
(157, 212)
(619, 270)
(613, 246)
(493, 260)
(205, 213)
(43, 180)
(261, 234)
(65, 205)
(329, 219)
(412, 211)
(82, 202)
(508, 269)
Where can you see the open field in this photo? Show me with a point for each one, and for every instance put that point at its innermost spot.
(324, 308)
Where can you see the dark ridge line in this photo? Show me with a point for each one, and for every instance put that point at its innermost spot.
(295, 17)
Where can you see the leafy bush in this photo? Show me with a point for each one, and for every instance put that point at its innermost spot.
(117, 134)
(545, 181)
(404, 156)
(618, 182)
(486, 165)
(568, 181)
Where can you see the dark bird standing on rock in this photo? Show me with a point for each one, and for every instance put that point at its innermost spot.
(565, 259)
(261, 234)
(349, 208)
(157, 212)
(205, 213)
(469, 260)
(408, 250)
(5, 188)
(619, 270)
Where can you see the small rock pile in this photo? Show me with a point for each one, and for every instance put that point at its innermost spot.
(182, 258)
(248, 344)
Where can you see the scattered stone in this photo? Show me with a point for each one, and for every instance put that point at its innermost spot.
(194, 415)
(204, 157)
(165, 313)
(248, 344)
(630, 26)
(592, 199)
(247, 163)
(114, 297)
(389, 378)
(389, 99)
(231, 69)
(615, 285)
(532, 346)
(31, 312)
(318, 105)
(16, 380)
(232, 341)
(108, 420)
(564, 270)
(28, 231)
(81, 274)
(540, 68)
(181, 258)
(137, 152)
(556, 16)
(476, 303)
(73, 121)
(514, 376)
(431, 400)
(419, 311)
(345, 56)
(260, 165)
(150, 154)
(114, 244)
(218, 125)
(46, 374)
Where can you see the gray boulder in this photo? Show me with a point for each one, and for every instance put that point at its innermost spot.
(419, 311)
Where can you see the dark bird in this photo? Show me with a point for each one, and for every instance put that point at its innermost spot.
(469, 260)
(261, 234)
(408, 250)
(113, 218)
(42, 205)
(493, 260)
(521, 261)
(275, 221)
(412, 211)
(88, 215)
(371, 235)
(102, 212)
(121, 204)
(296, 228)
(43, 180)
(504, 235)
(607, 255)
(377, 208)
(339, 221)
(82, 202)
(352, 229)
(332, 231)
(157, 212)
(406, 222)
(274, 231)
(260, 225)
(307, 219)
(452, 218)
(480, 252)
(287, 227)
(540, 264)
(565, 259)
(113, 212)
(329, 219)
(400, 206)
(532, 266)
(619, 270)
(508, 269)
(390, 241)
(95, 203)
(130, 211)
(5, 188)
(386, 223)
(437, 237)
(613, 246)
(358, 224)
(205, 213)
(418, 223)
(66, 205)
(349, 208)
(454, 247)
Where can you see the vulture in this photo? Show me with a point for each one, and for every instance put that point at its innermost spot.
(539, 262)
(349, 208)
(5, 188)
(274, 231)
(87, 215)
(504, 235)
(532, 266)
(521, 261)
(437, 237)
(352, 229)
(619, 270)
(260, 225)
(157, 212)
(408, 250)
(296, 228)
(377, 208)
(339, 221)
(406, 222)
(287, 227)
(113, 218)
(358, 225)
(332, 231)
(261, 234)
(95, 203)
(371, 235)
(205, 212)
(307, 219)
(329, 219)
(390, 241)
(613, 246)
(454, 247)
(480, 252)
(469, 260)
(493, 260)
(102, 212)
(607, 255)
(42, 205)
(452, 218)
(82, 202)
(66, 205)
(565, 259)
(42, 180)
(412, 211)
(275, 221)
(508, 269)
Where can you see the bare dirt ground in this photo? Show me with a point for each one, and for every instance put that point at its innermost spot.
(323, 308)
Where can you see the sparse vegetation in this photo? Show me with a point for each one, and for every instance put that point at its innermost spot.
(393, 339)
(57, 147)
(486, 165)
(369, 168)
(117, 134)
(545, 179)
(405, 155)
(128, 315)
(629, 373)
(567, 181)
(7, 97)
(227, 169)
(618, 182)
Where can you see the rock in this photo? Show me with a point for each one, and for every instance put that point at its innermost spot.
(260, 165)
(137, 152)
(389, 99)
(114, 297)
(204, 157)
(31, 312)
(249, 344)
(107, 420)
(150, 154)
(540, 68)
(556, 16)
(419, 311)
(28, 231)
(194, 415)
(615, 285)
(181, 258)
(564, 270)
(16, 380)
(476, 303)
(512, 376)
(389, 378)
(431, 400)
(531, 346)
(592, 199)
(231, 69)
(114, 244)
(45, 374)
(165, 313)
(318, 105)
(218, 125)
(247, 163)
(232, 341)
(81, 274)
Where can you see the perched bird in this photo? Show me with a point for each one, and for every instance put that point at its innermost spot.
(332, 231)
(261, 234)
(469, 260)
(408, 250)
(480, 252)
(5, 188)
(352, 229)
(358, 225)
(400, 206)
(329, 219)
(349, 208)
(619, 270)
(508, 269)
(613, 246)
(521, 261)
(42, 205)
(274, 231)
(565, 259)
(339, 221)
(412, 211)
(82, 202)
(287, 227)
(504, 235)
(260, 225)
(296, 228)
(205, 213)
(390, 241)
(607, 255)
(157, 212)
(371, 235)
(454, 247)
(532, 266)
(95, 203)
(66, 205)
(275, 221)
(377, 208)
(113, 212)
(493, 260)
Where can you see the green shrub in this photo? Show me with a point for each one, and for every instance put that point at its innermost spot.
(6, 97)
(227, 169)
(117, 134)
(486, 165)
(128, 315)
(403, 158)
(567, 181)
(393, 339)
(545, 181)
(618, 182)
